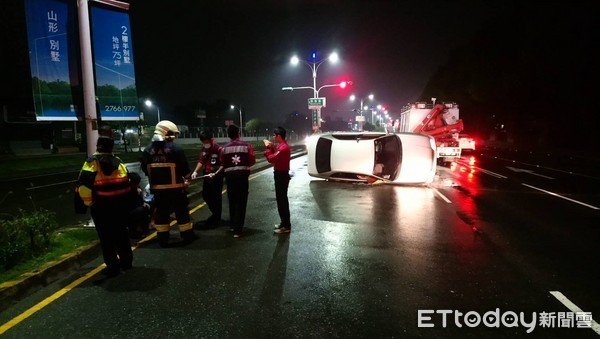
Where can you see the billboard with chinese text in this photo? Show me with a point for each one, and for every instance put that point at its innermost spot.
(113, 62)
(50, 36)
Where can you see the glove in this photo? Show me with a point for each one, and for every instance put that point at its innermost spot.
(194, 175)
(211, 175)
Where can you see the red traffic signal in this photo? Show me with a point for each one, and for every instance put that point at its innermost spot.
(345, 84)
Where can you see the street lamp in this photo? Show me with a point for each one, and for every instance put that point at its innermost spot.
(362, 108)
(314, 66)
(149, 104)
(239, 109)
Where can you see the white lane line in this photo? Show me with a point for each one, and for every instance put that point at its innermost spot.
(491, 173)
(569, 304)
(441, 195)
(562, 197)
(49, 185)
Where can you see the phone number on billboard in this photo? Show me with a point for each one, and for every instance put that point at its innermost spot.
(111, 108)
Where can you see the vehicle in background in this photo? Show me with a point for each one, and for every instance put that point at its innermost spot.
(441, 121)
(398, 158)
(466, 142)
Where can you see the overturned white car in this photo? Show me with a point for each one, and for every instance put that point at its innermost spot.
(400, 158)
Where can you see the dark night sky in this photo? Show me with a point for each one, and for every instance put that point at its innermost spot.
(239, 50)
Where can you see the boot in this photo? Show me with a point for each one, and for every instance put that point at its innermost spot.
(188, 236)
(163, 238)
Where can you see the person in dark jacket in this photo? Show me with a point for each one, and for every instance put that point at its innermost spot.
(166, 166)
(237, 158)
(103, 185)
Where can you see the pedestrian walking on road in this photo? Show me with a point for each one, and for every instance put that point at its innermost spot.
(103, 185)
(280, 158)
(166, 166)
(212, 184)
(237, 157)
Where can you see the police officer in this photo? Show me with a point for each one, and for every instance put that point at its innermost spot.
(166, 166)
(103, 185)
(212, 185)
(237, 157)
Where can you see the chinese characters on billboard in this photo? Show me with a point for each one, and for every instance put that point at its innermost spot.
(50, 28)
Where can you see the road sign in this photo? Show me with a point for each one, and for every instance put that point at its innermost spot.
(316, 103)
(360, 118)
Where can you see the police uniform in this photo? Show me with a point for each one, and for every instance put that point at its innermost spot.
(212, 187)
(166, 166)
(103, 185)
(237, 157)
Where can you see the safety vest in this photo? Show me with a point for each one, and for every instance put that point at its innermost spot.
(165, 165)
(163, 175)
(95, 184)
(236, 157)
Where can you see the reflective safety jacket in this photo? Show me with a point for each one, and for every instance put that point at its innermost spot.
(102, 177)
(165, 164)
(237, 155)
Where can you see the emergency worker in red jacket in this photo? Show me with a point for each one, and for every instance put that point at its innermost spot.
(212, 183)
(280, 158)
(166, 166)
(237, 157)
(103, 185)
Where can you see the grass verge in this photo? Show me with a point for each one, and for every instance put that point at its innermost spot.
(63, 241)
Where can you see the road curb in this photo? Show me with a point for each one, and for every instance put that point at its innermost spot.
(13, 291)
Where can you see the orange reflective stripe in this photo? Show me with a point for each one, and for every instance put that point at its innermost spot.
(185, 227)
(115, 192)
(110, 181)
(167, 186)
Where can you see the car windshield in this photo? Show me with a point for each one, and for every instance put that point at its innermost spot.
(388, 156)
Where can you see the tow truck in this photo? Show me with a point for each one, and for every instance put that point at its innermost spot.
(441, 121)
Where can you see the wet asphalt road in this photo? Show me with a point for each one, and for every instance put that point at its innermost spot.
(361, 261)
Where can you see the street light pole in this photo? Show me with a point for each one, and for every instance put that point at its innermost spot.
(149, 103)
(314, 66)
(240, 110)
(352, 98)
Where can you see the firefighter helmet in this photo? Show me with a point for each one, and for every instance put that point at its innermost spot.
(165, 130)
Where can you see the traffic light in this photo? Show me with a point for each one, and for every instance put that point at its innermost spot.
(345, 84)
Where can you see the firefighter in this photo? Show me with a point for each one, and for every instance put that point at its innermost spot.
(104, 186)
(167, 169)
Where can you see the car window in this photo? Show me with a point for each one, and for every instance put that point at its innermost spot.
(323, 155)
(388, 156)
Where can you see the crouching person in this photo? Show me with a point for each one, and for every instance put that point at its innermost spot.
(140, 211)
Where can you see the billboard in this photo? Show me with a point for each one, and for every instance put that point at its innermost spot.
(113, 61)
(50, 36)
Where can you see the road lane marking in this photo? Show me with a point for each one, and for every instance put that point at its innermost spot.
(16, 320)
(441, 195)
(514, 169)
(37, 307)
(491, 173)
(574, 308)
(50, 185)
(562, 197)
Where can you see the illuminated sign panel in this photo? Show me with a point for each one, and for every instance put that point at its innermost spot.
(50, 35)
(113, 63)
